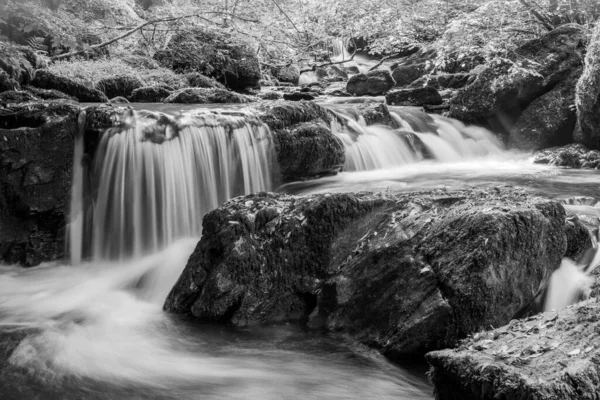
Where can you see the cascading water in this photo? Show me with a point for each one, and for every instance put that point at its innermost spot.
(157, 176)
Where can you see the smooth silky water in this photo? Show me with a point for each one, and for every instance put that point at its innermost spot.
(95, 328)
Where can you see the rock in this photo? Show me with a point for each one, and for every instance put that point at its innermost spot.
(196, 79)
(336, 72)
(118, 100)
(308, 150)
(119, 85)
(15, 67)
(46, 79)
(549, 120)
(372, 83)
(403, 273)
(549, 356)
(12, 97)
(571, 156)
(150, 94)
(352, 69)
(297, 96)
(578, 237)
(406, 74)
(270, 96)
(48, 94)
(289, 73)
(444, 81)
(212, 53)
(139, 61)
(414, 97)
(36, 157)
(206, 96)
(377, 113)
(507, 85)
(284, 114)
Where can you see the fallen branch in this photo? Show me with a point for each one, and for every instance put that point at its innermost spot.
(130, 32)
(314, 67)
(384, 59)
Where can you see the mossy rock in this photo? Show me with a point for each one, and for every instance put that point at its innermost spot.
(119, 85)
(46, 79)
(414, 97)
(289, 73)
(150, 94)
(207, 96)
(373, 83)
(404, 75)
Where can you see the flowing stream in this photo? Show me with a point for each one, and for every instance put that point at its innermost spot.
(95, 328)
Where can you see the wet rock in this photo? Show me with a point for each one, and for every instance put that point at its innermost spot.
(372, 83)
(578, 237)
(587, 130)
(196, 79)
(12, 97)
(414, 97)
(119, 100)
(377, 113)
(150, 94)
(270, 96)
(549, 120)
(289, 73)
(308, 150)
(352, 69)
(284, 114)
(406, 74)
(119, 85)
(336, 72)
(554, 355)
(444, 81)
(48, 94)
(206, 96)
(212, 53)
(36, 156)
(46, 79)
(297, 96)
(509, 84)
(571, 156)
(15, 67)
(403, 273)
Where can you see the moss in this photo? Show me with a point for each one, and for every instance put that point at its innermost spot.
(150, 94)
(119, 85)
(46, 79)
(207, 96)
(587, 94)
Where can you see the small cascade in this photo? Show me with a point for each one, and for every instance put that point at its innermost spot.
(410, 137)
(156, 176)
(75, 226)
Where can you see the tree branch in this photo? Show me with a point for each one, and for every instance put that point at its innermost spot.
(384, 59)
(288, 18)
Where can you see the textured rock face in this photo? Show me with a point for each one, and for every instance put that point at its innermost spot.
(571, 156)
(45, 79)
(535, 68)
(405, 273)
(406, 74)
(15, 67)
(414, 97)
(552, 356)
(119, 86)
(36, 156)
(549, 120)
(372, 83)
(213, 54)
(206, 96)
(306, 147)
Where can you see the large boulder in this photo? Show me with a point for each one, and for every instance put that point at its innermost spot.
(36, 157)
(16, 69)
(571, 156)
(549, 120)
(372, 83)
(507, 86)
(119, 85)
(404, 273)
(414, 97)
(214, 54)
(46, 79)
(286, 73)
(550, 356)
(587, 131)
(206, 96)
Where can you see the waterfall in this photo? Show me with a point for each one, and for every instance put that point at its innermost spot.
(410, 138)
(156, 176)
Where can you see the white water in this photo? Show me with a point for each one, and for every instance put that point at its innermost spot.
(155, 187)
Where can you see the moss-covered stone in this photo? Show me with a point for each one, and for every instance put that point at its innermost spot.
(119, 85)
(572, 156)
(414, 97)
(207, 96)
(46, 79)
(150, 94)
(588, 96)
(372, 83)
(212, 53)
(404, 75)
(288, 73)
(403, 273)
(283, 114)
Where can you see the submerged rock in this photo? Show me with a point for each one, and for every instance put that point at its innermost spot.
(372, 83)
(414, 97)
(207, 96)
(552, 356)
(36, 156)
(46, 79)
(571, 156)
(403, 273)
